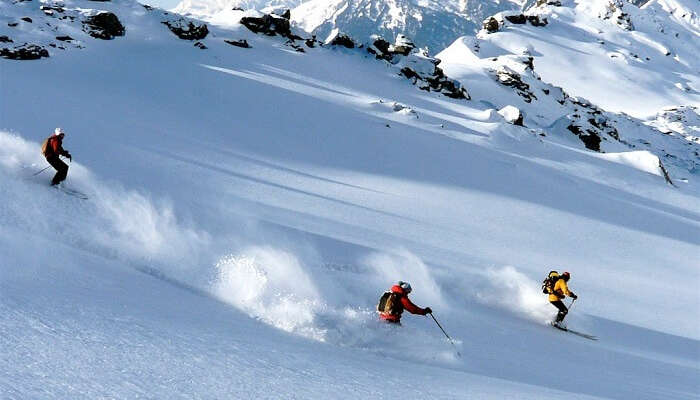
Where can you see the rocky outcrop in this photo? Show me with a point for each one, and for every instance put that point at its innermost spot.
(5, 39)
(103, 25)
(187, 30)
(508, 77)
(402, 45)
(270, 25)
(497, 22)
(382, 49)
(424, 72)
(238, 43)
(615, 11)
(24, 52)
(337, 38)
(491, 25)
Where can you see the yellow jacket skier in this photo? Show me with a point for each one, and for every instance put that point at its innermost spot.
(559, 292)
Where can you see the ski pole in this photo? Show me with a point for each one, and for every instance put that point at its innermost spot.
(572, 304)
(37, 173)
(446, 335)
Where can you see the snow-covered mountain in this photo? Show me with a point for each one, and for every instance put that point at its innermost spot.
(434, 23)
(209, 8)
(252, 192)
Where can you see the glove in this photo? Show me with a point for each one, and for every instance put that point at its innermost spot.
(68, 156)
(573, 296)
(428, 310)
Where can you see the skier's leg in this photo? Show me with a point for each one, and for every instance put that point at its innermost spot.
(562, 310)
(61, 170)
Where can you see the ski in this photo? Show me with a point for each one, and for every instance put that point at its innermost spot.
(72, 192)
(584, 335)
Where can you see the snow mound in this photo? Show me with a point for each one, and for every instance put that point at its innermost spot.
(641, 160)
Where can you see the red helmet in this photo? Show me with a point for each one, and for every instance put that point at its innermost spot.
(566, 275)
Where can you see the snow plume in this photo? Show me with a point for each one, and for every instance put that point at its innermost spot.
(406, 266)
(114, 222)
(511, 290)
(271, 285)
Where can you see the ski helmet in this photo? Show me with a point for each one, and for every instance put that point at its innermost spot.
(59, 131)
(405, 286)
(566, 276)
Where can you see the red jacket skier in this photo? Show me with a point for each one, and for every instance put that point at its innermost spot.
(52, 149)
(393, 303)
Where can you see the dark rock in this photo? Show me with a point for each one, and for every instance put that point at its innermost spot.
(535, 20)
(381, 49)
(5, 39)
(589, 139)
(491, 25)
(238, 43)
(12, 24)
(311, 42)
(516, 19)
(64, 38)
(26, 19)
(24, 52)
(556, 3)
(507, 77)
(287, 14)
(268, 25)
(104, 25)
(237, 9)
(147, 7)
(200, 45)
(187, 30)
(101, 1)
(342, 39)
(295, 46)
(49, 9)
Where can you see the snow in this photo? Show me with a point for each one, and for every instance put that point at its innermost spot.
(635, 71)
(247, 208)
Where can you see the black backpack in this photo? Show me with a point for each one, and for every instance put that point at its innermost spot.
(390, 303)
(549, 282)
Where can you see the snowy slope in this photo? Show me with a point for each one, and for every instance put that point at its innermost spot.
(248, 206)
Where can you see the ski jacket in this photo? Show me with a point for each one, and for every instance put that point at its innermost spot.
(55, 146)
(561, 290)
(405, 304)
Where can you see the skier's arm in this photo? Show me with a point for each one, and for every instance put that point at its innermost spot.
(565, 289)
(412, 308)
(58, 149)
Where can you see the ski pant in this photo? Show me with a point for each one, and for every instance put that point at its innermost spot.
(61, 169)
(562, 310)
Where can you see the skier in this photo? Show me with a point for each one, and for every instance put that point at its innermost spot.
(52, 148)
(392, 304)
(559, 292)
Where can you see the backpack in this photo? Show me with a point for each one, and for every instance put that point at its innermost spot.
(549, 281)
(390, 303)
(46, 149)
